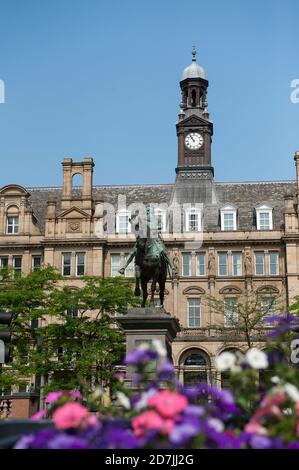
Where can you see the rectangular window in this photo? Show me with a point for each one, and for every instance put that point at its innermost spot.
(228, 221)
(66, 264)
(123, 225)
(130, 271)
(193, 222)
(12, 227)
(237, 264)
(259, 264)
(80, 264)
(273, 263)
(186, 264)
(3, 261)
(17, 264)
(230, 312)
(161, 220)
(222, 258)
(264, 220)
(200, 264)
(115, 265)
(193, 313)
(36, 261)
(72, 312)
(268, 309)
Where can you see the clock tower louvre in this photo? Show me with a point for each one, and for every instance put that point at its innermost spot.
(194, 128)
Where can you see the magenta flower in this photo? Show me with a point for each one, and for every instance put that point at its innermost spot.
(75, 394)
(52, 397)
(169, 404)
(39, 415)
(151, 421)
(71, 415)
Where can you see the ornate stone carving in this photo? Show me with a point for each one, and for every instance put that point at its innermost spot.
(74, 226)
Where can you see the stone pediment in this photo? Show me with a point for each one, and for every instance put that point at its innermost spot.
(230, 290)
(194, 121)
(193, 290)
(74, 213)
(13, 190)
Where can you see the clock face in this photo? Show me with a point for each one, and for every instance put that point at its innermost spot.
(194, 141)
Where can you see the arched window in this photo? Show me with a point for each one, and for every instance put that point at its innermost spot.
(195, 365)
(12, 220)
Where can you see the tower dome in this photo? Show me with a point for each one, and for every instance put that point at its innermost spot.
(193, 70)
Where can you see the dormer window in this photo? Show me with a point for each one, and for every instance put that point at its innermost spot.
(193, 220)
(12, 227)
(12, 220)
(160, 216)
(122, 222)
(228, 216)
(264, 217)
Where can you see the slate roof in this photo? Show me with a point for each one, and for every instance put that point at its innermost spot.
(245, 196)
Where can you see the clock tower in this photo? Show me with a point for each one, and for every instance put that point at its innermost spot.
(194, 128)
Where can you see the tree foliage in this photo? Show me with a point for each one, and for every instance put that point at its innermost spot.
(67, 336)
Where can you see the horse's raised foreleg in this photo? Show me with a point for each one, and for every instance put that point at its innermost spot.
(144, 290)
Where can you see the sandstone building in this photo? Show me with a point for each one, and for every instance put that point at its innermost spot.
(232, 237)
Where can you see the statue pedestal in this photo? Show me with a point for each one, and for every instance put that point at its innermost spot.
(142, 325)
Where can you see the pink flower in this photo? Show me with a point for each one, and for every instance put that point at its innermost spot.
(297, 408)
(75, 394)
(39, 415)
(150, 420)
(52, 397)
(71, 415)
(168, 404)
(254, 427)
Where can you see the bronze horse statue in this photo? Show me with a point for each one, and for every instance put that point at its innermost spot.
(151, 263)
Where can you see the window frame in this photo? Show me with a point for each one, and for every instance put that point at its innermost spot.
(162, 212)
(277, 265)
(235, 253)
(84, 263)
(17, 270)
(228, 210)
(32, 261)
(200, 264)
(264, 209)
(189, 300)
(13, 225)
(63, 265)
(234, 313)
(190, 212)
(226, 254)
(123, 213)
(255, 263)
(190, 264)
(111, 264)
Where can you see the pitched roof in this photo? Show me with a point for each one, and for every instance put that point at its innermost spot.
(246, 196)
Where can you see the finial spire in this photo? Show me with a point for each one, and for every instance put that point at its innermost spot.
(193, 53)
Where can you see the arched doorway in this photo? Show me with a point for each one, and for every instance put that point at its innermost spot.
(195, 367)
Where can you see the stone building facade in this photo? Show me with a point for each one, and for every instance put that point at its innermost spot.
(231, 237)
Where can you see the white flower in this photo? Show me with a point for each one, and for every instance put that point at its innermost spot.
(123, 400)
(275, 379)
(145, 396)
(225, 360)
(216, 424)
(157, 344)
(292, 391)
(257, 359)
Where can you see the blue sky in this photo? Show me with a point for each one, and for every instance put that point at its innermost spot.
(102, 79)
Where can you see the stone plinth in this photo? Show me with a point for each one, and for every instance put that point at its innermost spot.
(142, 325)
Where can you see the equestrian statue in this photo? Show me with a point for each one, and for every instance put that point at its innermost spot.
(152, 262)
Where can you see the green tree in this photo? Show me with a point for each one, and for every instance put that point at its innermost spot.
(244, 317)
(66, 337)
